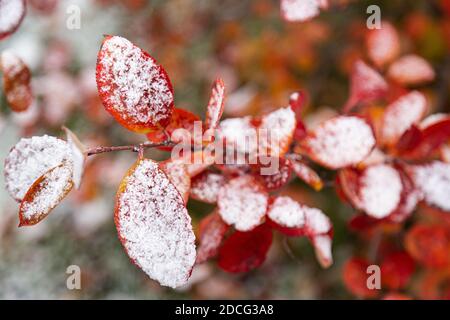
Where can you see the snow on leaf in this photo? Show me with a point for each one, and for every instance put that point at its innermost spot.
(12, 13)
(239, 134)
(154, 225)
(206, 186)
(383, 45)
(242, 202)
(306, 174)
(45, 194)
(380, 190)
(215, 105)
(132, 86)
(401, 114)
(275, 175)
(301, 10)
(322, 247)
(29, 159)
(16, 81)
(78, 156)
(340, 142)
(211, 233)
(181, 123)
(244, 251)
(433, 179)
(411, 70)
(366, 85)
(287, 212)
(319, 230)
(177, 173)
(276, 131)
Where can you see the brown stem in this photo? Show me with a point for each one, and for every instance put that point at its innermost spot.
(133, 148)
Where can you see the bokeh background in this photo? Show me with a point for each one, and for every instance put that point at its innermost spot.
(261, 58)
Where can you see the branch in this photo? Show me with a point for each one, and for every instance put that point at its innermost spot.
(133, 148)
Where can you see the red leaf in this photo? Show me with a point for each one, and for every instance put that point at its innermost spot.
(383, 45)
(206, 186)
(275, 175)
(306, 173)
(181, 126)
(355, 278)
(154, 225)
(215, 105)
(211, 233)
(45, 194)
(12, 13)
(244, 251)
(134, 89)
(429, 245)
(411, 70)
(296, 102)
(396, 270)
(339, 142)
(242, 202)
(366, 85)
(16, 81)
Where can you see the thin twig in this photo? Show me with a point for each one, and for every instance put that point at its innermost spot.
(133, 148)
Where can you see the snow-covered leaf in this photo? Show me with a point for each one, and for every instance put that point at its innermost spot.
(45, 194)
(242, 202)
(401, 114)
(244, 251)
(16, 81)
(12, 13)
(239, 135)
(133, 87)
(383, 45)
(29, 159)
(78, 156)
(301, 10)
(211, 233)
(215, 105)
(177, 173)
(154, 225)
(206, 186)
(306, 173)
(275, 174)
(411, 70)
(339, 142)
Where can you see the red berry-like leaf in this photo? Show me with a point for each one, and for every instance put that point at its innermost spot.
(12, 13)
(215, 105)
(45, 194)
(211, 233)
(396, 270)
(134, 89)
(401, 115)
(429, 245)
(245, 251)
(180, 128)
(242, 202)
(206, 186)
(366, 85)
(16, 81)
(306, 173)
(301, 10)
(154, 225)
(411, 70)
(383, 45)
(355, 278)
(339, 142)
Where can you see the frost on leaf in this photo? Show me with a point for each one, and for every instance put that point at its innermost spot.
(206, 186)
(16, 81)
(215, 105)
(244, 251)
(411, 70)
(132, 86)
(78, 156)
(275, 175)
(287, 216)
(383, 45)
(242, 202)
(177, 173)
(45, 194)
(29, 159)
(340, 142)
(433, 179)
(306, 174)
(239, 135)
(401, 114)
(154, 226)
(211, 233)
(276, 131)
(12, 13)
(179, 128)
(366, 85)
(301, 10)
